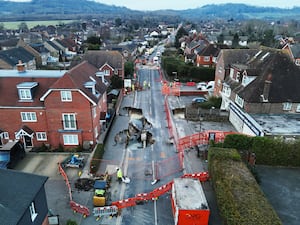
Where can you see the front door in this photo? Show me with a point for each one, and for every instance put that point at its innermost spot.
(28, 141)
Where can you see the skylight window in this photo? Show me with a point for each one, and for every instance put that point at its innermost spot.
(257, 54)
(265, 55)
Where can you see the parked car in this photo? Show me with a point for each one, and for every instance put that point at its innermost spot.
(199, 100)
(201, 85)
(208, 87)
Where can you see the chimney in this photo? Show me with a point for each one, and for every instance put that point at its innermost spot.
(267, 87)
(21, 67)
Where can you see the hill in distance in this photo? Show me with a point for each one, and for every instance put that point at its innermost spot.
(70, 9)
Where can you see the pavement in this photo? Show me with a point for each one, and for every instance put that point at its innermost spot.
(280, 185)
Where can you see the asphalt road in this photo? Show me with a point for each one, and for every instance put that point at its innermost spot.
(143, 165)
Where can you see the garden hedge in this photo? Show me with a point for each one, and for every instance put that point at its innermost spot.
(239, 198)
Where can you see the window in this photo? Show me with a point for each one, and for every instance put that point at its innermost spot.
(106, 72)
(5, 135)
(239, 101)
(70, 139)
(226, 91)
(298, 108)
(66, 96)
(17, 137)
(32, 211)
(69, 121)
(41, 136)
(28, 117)
(297, 62)
(25, 94)
(206, 58)
(287, 106)
(94, 112)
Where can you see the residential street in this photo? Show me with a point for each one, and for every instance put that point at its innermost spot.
(142, 165)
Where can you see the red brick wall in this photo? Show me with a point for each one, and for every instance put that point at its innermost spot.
(11, 122)
(54, 110)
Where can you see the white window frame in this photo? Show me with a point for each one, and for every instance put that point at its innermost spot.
(25, 94)
(6, 135)
(70, 139)
(17, 137)
(297, 62)
(298, 108)
(33, 212)
(106, 72)
(67, 121)
(237, 76)
(94, 112)
(66, 96)
(41, 136)
(206, 59)
(287, 106)
(226, 91)
(96, 132)
(28, 116)
(239, 101)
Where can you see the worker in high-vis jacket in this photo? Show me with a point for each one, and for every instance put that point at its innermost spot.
(119, 175)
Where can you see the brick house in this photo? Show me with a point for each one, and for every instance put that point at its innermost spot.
(266, 84)
(207, 57)
(293, 51)
(52, 107)
(109, 63)
(225, 58)
(23, 198)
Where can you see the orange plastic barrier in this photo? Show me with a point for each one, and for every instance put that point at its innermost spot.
(74, 206)
(153, 195)
(79, 208)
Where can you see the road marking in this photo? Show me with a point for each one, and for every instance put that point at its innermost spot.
(154, 177)
(123, 186)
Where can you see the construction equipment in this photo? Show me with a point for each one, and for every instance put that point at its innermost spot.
(75, 161)
(101, 194)
(116, 206)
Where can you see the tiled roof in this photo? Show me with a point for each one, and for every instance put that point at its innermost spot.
(295, 50)
(99, 58)
(212, 50)
(280, 70)
(11, 42)
(12, 56)
(53, 45)
(8, 88)
(78, 76)
(17, 191)
(237, 55)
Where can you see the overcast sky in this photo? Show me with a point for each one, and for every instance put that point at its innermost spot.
(185, 4)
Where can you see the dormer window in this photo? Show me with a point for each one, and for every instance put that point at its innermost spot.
(25, 90)
(106, 72)
(91, 85)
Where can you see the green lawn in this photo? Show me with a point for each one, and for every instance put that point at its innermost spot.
(31, 24)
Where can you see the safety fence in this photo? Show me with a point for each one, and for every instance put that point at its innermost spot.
(172, 129)
(153, 195)
(202, 138)
(74, 206)
(170, 88)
